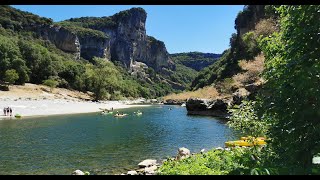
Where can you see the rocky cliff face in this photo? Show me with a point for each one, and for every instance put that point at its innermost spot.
(208, 107)
(128, 41)
(80, 45)
(94, 47)
(62, 38)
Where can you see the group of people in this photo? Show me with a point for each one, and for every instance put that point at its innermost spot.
(120, 114)
(106, 111)
(7, 111)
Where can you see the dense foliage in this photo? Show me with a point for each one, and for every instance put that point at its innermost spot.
(92, 22)
(245, 119)
(15, 19)
(219, 162)
(183, 75)
(224, 67)
(11, 76)
(291, 94)
(82, 32)
(286, 109)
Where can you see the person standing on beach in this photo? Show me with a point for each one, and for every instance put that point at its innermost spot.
(5, 111)
(10, 111)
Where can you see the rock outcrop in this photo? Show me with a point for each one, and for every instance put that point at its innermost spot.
(95, 47)
(208, 107)
(218, 107)
(183, 153)
(63, 38)
(86, 46)
(247, 19)
(129, 41)
(173, 102)
(78, 172)
(147, 163)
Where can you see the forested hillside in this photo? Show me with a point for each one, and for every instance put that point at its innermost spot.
(195, 60)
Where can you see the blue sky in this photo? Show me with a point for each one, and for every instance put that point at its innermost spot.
(183, 28)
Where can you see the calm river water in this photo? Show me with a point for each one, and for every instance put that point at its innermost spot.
(103, 144)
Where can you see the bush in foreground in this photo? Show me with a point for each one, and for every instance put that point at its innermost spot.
(216, 162)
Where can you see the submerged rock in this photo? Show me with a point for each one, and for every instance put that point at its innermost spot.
(147, 163)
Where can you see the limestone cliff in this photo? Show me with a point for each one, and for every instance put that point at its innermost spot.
(128, 40)
(62, 38)
(95, 47)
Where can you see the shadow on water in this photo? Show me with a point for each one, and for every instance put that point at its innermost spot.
(104, 144)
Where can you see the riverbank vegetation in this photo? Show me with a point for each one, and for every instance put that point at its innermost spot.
(285, 110)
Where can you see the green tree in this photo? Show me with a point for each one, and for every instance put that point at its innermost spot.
(291, 96)
(11, 76)
(250, 45)
(244, 118)
(23, 71)
(10, 58)
(102, 78)
(50, 83)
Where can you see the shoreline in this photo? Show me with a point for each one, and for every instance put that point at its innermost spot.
(44, 108)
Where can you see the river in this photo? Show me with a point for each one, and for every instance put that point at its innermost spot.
(103, 144)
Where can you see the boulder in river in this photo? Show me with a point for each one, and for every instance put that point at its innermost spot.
(132, 173)
(78, 172)
(147, 163)
(183, 153)
(150, 170)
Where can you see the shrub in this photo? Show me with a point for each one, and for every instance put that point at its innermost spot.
(11, 76)
(50, 83)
